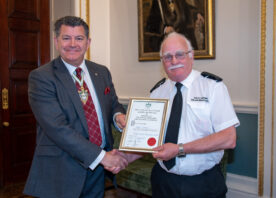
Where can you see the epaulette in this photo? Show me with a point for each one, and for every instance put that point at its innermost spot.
(211, 76)
(158, 84)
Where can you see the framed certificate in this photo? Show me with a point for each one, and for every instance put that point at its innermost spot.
(145, 125)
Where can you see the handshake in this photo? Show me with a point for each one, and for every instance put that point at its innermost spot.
(115, 161)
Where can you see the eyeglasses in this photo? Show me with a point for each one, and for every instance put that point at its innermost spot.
(179, 55)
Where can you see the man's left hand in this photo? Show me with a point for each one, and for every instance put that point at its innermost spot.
(121, 120)
(166, 151)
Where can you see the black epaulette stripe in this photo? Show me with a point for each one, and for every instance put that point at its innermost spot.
(158, 84)
(211, 76)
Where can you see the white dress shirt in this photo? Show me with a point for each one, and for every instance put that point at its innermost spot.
(207, 109)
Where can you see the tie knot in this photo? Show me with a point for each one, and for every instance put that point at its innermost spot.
(78, 72)
(178, 86)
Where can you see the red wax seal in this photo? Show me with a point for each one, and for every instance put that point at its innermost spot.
(151, 141)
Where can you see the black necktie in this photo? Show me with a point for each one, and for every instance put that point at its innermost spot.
(174, 122)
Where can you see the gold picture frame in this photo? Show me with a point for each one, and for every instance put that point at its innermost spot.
(198, 27)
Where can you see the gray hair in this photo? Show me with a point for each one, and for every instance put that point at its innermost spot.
(173, 34)
(71, 21)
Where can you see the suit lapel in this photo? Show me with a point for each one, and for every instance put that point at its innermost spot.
(66, 80)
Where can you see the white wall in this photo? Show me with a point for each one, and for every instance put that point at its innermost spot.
(58, 9)
(100, 31)
(131, 77)
(237, 49)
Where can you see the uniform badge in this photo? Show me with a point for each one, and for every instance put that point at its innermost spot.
(199, 99)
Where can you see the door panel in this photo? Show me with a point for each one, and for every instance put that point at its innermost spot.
(27, 56)
(28, 9)
(26, 46)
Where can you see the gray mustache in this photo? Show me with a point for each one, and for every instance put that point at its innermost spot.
(175, 66)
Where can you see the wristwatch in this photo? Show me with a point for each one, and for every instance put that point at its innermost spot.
(181, 152)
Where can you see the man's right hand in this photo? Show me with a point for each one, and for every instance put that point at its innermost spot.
(114, 161)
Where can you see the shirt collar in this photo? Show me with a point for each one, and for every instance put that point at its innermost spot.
(189, 80)
(72, 68)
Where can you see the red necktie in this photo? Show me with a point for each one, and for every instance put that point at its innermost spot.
(89, 109)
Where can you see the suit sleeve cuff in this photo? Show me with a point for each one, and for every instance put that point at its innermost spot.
(97, 161)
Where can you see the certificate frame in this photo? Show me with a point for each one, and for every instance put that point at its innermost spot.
(145, 117)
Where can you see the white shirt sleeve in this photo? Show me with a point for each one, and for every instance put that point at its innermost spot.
(96, 162)
(222, 112)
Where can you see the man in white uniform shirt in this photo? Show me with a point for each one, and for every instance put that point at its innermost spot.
(207, 127)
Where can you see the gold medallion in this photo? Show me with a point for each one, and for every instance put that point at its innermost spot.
(83, 95)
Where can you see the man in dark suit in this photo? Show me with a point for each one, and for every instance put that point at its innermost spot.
(74, 109)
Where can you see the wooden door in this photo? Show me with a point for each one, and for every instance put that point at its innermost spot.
(24, 45)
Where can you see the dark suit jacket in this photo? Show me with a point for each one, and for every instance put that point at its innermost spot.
(63, 152)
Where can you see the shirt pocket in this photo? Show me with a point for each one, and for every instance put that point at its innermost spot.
(198, 115)
(199, 108)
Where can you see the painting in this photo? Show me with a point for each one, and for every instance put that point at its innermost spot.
(192, 18)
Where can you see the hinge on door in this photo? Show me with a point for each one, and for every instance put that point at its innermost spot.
(5, 99)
